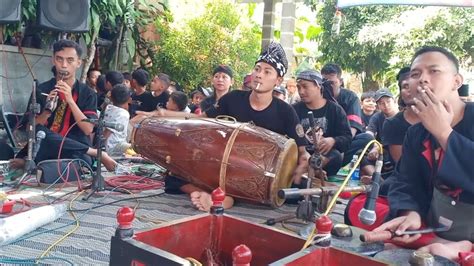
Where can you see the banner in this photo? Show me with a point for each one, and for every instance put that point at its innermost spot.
(348, 3)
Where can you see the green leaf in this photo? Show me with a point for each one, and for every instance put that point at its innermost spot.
(313, 32)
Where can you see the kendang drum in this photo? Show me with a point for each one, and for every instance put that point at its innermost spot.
(251, 163)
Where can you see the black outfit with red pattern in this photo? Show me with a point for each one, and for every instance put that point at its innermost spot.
(413, 183)
(76, 143)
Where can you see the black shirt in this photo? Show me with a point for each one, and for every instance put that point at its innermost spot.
(351, 105)
(143, 102)
(86, 101)
(331, 118)
(208, 102)
(375, 126)
(278, 117)
(366, 119)
(394, 129)
(160, 100)
(413, 181)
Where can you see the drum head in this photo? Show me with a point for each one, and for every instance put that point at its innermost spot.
(286, 165)
(402, 256)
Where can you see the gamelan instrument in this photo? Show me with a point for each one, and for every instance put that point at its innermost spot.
(249, 162)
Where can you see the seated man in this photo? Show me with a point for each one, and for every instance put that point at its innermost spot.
(349, 101)
(330, 119)
(388, 109)
(433, 182)
(258, 106)
(68, 102)
(395, 128)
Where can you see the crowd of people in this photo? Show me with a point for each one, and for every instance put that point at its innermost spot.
(427, 134)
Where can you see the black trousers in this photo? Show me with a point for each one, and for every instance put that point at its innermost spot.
(49, 148)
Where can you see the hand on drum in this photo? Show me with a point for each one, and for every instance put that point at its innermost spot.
(410, 221)
(303, 163)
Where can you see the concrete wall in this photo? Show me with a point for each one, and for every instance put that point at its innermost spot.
(16, 80)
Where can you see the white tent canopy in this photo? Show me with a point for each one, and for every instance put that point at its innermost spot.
(348, 3)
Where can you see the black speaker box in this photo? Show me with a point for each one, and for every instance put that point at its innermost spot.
(10, 11)
(64, 15)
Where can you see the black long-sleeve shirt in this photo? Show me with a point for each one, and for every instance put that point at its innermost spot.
(333, 121)
(411, 186)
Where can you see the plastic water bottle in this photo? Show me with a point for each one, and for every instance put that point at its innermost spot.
(354, 181)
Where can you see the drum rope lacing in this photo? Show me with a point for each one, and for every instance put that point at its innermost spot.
(225, 157)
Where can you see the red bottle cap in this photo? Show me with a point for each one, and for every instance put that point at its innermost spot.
(125, 216)
(241, 255)
(218, 196)
(324, 225)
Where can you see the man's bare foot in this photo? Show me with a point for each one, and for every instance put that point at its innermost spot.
(448, 250)
(201, 200)
(108, 162)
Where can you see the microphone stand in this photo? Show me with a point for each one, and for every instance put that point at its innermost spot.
(33, 109)
(98, 183)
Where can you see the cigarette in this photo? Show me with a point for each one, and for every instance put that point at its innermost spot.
(258, 86)
(45, 94)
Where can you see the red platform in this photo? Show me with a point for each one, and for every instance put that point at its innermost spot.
(193, 237)
(330, 256)
(171, 243)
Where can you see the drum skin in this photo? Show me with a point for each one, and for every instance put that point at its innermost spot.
(259, 164)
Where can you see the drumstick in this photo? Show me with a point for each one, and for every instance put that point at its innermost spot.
(386, 235)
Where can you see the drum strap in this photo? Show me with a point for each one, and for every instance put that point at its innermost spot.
(225, 157)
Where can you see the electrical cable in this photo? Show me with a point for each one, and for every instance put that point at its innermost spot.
(68, 233)
(133, 182)
(32, 261)
(115, 201)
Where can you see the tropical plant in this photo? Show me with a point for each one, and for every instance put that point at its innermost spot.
(222, 35)
(375, 41)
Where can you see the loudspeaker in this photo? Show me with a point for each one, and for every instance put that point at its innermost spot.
(64, 15)
(10, 11)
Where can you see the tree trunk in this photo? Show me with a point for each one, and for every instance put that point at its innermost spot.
(90, 56)
(117, 47)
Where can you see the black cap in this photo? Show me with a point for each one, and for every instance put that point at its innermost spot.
(382, 93)
(223, 69)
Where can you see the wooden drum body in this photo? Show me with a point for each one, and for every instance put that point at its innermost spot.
(249, 162)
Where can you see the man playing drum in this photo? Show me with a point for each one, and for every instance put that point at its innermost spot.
(258, 106)
(434, 180)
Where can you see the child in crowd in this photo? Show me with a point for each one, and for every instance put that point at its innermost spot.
(178, 101)
(369, 107)
(116, 141)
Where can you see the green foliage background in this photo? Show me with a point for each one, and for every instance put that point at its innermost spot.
(452, 28)
(190, 54)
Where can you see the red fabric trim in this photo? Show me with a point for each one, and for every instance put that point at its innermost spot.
(89, 112)
(354, 118)
(67, 117)
(427, 152)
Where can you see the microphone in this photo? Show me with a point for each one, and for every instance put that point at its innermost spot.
(116, 126)
(40, 135)
(367, 215)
